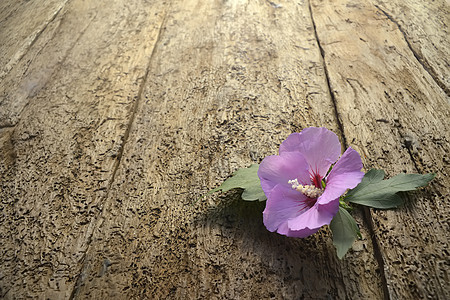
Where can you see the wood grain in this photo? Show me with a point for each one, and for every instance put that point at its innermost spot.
(223, 90)
(116, 116)
(21, 24)
(62, 152)
(424, 26)
(396, 115)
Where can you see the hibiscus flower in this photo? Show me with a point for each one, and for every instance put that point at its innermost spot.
(301, 195)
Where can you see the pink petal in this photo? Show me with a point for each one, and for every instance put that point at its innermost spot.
(346, 174)
(301, 233)
(279, 169)
(315, 217)
(283, 228)
(320, 147)
(282, 204)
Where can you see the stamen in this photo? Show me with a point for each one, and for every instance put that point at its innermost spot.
(309, 191)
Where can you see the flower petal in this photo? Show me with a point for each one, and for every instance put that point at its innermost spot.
(315, 217)
(279, 169)
(301, 233)
(320, 147)
(284, 230)
(346, 174)
(282, 204)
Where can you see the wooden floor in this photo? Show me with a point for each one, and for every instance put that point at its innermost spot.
(116, 115)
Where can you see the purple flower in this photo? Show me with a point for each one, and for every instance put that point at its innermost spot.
(298, 204)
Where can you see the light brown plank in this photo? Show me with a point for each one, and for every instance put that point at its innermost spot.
(397, 116)
(227, 83)
(64, 142)
(424, 25)
(21, 23)
(36, 57)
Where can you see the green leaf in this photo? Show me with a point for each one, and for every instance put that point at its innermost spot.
(247, 179)
(345, 231)
(375, 192)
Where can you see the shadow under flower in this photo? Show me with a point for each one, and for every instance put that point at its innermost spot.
(235, 236)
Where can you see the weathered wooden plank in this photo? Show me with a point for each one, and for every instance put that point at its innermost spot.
(35, 54)
(425, 27)
(21, 23)
(397, 116)
(61, 149)
(229, 81)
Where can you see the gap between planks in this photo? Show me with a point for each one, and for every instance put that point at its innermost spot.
(366, 211)
(58, 64)
(327, 77)
(29, 42)
(422, 60)
(80, 277)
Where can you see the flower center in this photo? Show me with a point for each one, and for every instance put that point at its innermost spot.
(309, 191)
(316, 179)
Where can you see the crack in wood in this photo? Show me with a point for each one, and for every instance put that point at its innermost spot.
(327, 77)
(7, 126)
(29, 42)
(424, 63)
(422, 60)
(366, 212)
(408, 148)
(58, 65)
(377, 251)
(82, 275)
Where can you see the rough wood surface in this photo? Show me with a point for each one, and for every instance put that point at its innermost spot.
(397, 116)
(62, 152)
(424, 26)
(21, 24)
(115, 116)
